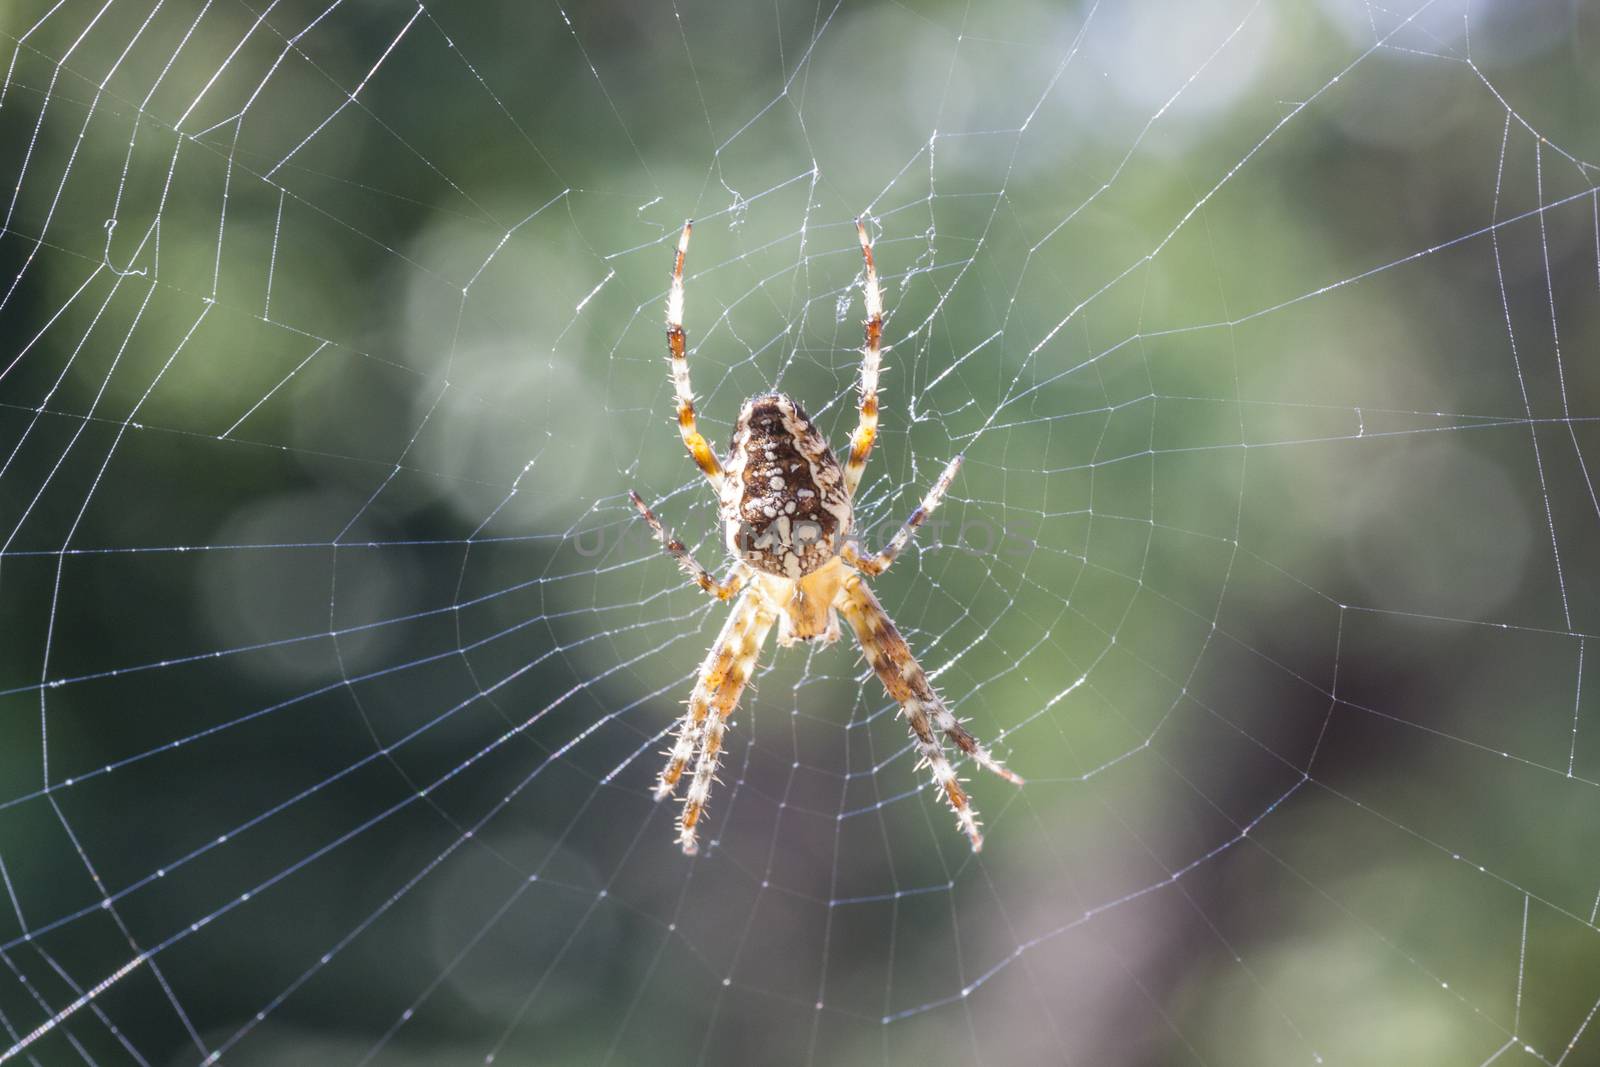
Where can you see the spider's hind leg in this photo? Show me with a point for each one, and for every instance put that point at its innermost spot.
(704, 456)
(871, 360)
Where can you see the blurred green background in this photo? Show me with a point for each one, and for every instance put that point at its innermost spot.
(334, 662)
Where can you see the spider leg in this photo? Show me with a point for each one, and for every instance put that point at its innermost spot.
(740, 642)
(925, 711)
(690, 565)
(879, 562)
(707, 683)
(698, 447)
(871, 359)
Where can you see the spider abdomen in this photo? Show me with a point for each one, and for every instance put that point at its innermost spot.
(784, 506)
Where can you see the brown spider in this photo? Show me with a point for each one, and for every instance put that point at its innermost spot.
(786, 514)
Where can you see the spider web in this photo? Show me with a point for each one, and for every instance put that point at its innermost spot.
(336, 664)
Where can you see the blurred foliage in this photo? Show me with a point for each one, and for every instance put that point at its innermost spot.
(332, 344)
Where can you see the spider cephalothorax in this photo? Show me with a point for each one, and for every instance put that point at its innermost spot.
(785, 506)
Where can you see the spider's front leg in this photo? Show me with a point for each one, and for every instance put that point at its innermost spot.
(707, 683)
(723, 675)
(924, 709)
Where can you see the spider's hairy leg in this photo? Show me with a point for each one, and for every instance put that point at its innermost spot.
(879, 561)
(925, 711)
(741, 638)
(887, 652)
(704, 456)
(871, 359)
(690, 565)
(708, 682)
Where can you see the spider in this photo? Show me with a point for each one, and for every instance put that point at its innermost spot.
(785, 507)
